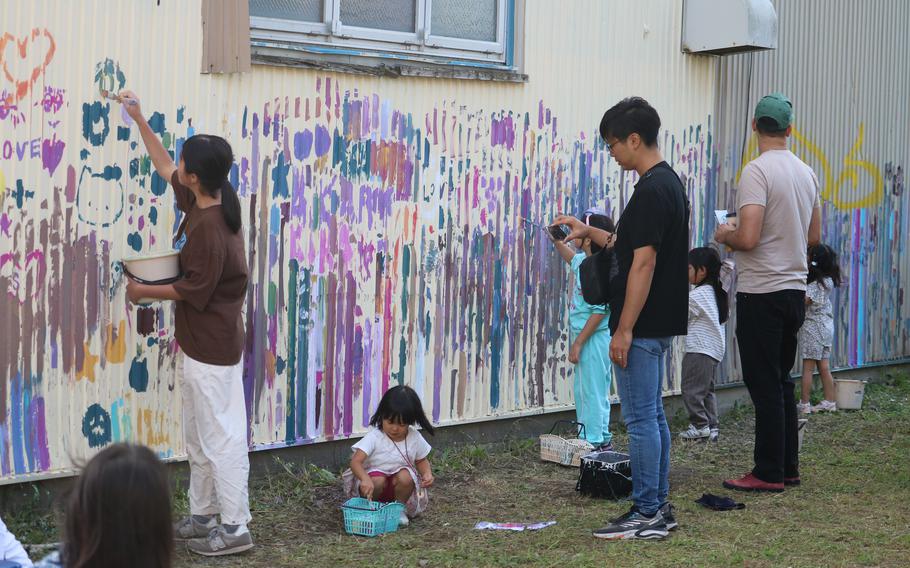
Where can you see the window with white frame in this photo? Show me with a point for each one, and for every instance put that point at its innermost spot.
(459, 32)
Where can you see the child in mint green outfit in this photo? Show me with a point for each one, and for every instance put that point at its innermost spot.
(590, 349)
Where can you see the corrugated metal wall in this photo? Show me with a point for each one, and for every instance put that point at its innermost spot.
(844, 65)
(383, 220)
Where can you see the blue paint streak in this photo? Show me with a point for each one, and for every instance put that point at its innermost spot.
(159, 186)
(861, 307)
(93, 114)
(139, 375)
(496, 336)
(157, 123)
(280, 178)
(17, 419)
(109, 173)
(116, 434)
(274, 220)
(135, 241)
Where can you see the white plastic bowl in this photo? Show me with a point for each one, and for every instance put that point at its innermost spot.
(155, 269)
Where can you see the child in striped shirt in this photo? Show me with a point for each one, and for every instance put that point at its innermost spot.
(705, 343)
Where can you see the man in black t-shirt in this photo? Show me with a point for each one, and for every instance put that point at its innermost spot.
(649, 305)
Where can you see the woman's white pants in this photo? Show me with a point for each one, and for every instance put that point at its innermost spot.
(214, 427)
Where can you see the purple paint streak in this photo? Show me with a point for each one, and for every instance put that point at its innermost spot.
(323, 141)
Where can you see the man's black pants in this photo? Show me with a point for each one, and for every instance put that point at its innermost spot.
(766, 330)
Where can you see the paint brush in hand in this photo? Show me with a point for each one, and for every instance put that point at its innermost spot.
(105, 94)
(114, 97)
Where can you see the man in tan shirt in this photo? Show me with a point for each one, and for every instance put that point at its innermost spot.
(778, 211)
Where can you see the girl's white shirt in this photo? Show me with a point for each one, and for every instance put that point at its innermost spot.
(388, 457)
(706, 333)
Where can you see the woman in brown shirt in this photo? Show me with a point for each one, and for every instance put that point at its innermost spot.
(209, 330)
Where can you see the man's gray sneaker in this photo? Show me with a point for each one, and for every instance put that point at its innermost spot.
(219, 542)
(634, 525)
(667, 510)
(188, 528)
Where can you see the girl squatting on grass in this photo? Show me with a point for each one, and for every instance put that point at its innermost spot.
(817, 333)
(209, 329)
(705, 343)
(590, 350)
(390, 463)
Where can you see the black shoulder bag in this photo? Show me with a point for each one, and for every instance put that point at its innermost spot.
(595, 273)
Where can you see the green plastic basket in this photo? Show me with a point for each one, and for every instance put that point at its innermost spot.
(370, 518)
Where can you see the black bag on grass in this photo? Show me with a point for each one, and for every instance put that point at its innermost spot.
(605, 474)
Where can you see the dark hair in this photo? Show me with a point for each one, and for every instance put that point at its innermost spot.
(119, 513)
(630, 115)
(603, 222)
(210, 158)
(823, 264)
(769, 127)
(402, 405)
(707, 258)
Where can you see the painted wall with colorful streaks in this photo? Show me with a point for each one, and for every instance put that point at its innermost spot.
(383, 222)
(850, 125)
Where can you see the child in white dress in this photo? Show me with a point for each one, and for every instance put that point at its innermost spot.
(816, 336)
(390, 463)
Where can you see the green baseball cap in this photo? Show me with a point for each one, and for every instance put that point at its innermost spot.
(777, 107)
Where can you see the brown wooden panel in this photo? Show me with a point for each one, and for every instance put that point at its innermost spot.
(225, 36)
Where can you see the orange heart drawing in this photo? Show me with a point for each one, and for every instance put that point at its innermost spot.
(23, 86)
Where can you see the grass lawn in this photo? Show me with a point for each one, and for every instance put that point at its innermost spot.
(850, 511)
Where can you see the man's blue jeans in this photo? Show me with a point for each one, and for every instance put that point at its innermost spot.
(640, 385)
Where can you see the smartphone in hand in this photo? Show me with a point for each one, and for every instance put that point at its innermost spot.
(558, 232)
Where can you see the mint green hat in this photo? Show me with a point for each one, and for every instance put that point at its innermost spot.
(777, 107)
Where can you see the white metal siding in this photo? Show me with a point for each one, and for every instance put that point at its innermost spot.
(395, 254)
(844, 66)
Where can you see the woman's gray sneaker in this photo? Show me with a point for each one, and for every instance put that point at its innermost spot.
(219, 542)
(634, 525)
(189, 528)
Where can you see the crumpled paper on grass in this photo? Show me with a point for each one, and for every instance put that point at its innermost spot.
(517, 527)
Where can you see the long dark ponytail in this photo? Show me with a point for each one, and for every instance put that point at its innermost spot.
(707, 258)
(210, 158)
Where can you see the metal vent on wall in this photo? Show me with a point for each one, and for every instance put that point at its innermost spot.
(723, 27)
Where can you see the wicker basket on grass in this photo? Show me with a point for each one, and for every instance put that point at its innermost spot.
(564, 450)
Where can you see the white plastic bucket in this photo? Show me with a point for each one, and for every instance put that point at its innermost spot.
(800, 428)
(849, 393)
(155, 269)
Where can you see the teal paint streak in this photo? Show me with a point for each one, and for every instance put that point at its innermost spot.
(303, 349)
(496, 333)
(139, 375)
(290, 413)
(402, 360)
(406, 273)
